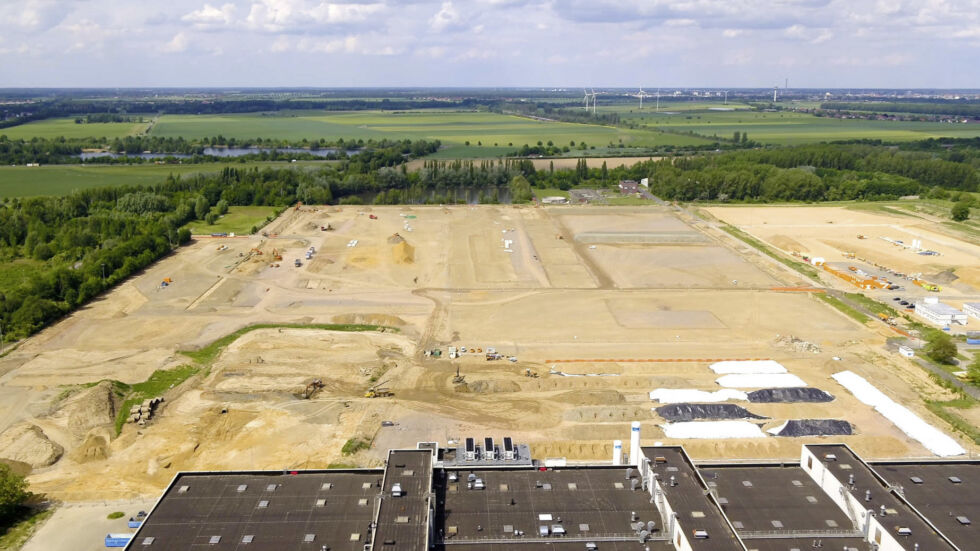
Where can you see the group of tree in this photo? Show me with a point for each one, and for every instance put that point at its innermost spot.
(79, 245)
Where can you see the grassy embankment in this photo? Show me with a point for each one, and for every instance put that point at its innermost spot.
(239, 220)
(801, 267)
(67, 128)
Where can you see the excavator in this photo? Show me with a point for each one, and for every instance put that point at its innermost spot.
(379, 391)
(312, 388)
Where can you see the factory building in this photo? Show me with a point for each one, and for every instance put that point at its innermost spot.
(972, 309)
(496, 499)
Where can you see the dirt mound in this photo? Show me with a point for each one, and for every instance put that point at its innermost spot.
(395, 239)
(945, 277)
(28, 443)
(813, 427)
(492, 387)
(693, 412)
(591, 397)
(793, 394)
(403, 253)
(94, 448)
(369, 319)
(90, 408)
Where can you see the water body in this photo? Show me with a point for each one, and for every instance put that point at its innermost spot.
(225, 152)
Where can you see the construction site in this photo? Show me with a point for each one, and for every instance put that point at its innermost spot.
(338, 333)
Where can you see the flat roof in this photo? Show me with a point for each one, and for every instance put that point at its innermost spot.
(939, 308)
(277, 510)
(689, 497)
(588, 503)
(940, 499)
(403, 522)
(898, 513)
(775, 499)
(808, 544)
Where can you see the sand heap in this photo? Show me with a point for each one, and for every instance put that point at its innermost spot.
(93, 407)
(401, 251)
(28, 444)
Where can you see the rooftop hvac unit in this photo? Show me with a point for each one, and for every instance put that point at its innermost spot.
(489, 452)
(396, 490)
(508, 448)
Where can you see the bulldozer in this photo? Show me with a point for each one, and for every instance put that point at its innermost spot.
(531, 374)
(312, 388)
(378, 391)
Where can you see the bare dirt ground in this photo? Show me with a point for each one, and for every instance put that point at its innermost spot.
(831, 231)
(446, 279)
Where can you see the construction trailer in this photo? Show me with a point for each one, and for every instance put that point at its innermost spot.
(939, 313)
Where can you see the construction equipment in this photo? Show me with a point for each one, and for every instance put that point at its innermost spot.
(328, 227)
(297, 263)
(459, 379)
(312, 388)
(378, 391)
(531, 374)
(373, 216)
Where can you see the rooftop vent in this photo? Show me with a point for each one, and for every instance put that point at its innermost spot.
(321, 503)
(396, 490)
(263, 504)
(326, 486)
(247, 538)
(916, 480)
(309, 538)
(242, 487)
(183, 489)
(963, 520)
(214, 540)
(270, 488)
(904, 531)
(701, 534)
(955, 479)
(150, 539)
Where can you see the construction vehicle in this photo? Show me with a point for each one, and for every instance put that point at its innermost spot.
(378, 391)
(328, 227)
(459, 379)
(312, 388)
(862, 236)
(531, 374)
(276, 255)
(297, 263)
(373, 216)
(928, 286)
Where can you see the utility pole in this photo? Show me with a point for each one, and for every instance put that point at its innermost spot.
(103, 273)
(1, 338)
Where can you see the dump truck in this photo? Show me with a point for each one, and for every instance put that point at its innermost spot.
(379, 391)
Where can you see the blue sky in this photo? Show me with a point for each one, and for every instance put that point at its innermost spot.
(574, 43)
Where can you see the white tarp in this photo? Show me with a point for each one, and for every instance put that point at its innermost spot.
(911, 424)
(747, 366)
(776, 380)
(682, 395)
(713, 429)
(779, 429)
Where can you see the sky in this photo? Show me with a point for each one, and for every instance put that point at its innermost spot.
(488, 43)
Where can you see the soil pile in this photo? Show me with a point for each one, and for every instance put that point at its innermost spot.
(93, 407)
(28, 443)
(94, 448)
(368, 319)
(794, 394)
(693, 412)
(401, 251)
(813, 427)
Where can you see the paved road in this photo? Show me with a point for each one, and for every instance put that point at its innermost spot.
(83, 526)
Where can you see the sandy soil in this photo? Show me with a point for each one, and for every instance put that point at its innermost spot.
(552, 302)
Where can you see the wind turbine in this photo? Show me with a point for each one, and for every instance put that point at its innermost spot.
(726, 97)
(594, 100)
(658, 100)
(586, 99)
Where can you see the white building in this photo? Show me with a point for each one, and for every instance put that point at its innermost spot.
(906, 351)
(972, 309)
(938, 313)
(554, 200)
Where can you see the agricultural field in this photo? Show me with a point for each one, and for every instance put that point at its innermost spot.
(30, 181)
(786, 128)
(235, 336)
(66, 127)
(488, 134)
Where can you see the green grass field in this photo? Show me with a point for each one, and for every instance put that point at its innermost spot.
(488, 134)
(788, 128)
(53, 128)
(23, 181)
(239, 220)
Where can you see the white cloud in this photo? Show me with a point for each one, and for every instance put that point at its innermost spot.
(732, 33)
(210, 16)
(177, 44)
(447, 18)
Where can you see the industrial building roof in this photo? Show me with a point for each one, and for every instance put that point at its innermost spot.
(528, 508)
(417, 500)
(403, 520)
(938, 308)
(690, 498)
(946, 493)
(774, 500)
(268, 511)
(892, 511)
